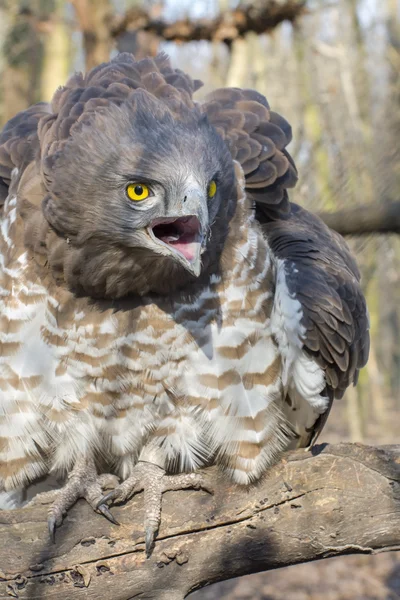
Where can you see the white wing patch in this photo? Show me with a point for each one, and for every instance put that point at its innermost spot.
(286, 321)
(302, 377)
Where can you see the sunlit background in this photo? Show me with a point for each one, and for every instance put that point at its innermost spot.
(334, 74)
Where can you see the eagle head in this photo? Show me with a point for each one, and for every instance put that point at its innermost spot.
(144, 194)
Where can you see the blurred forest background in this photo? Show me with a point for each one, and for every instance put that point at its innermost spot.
(331, 67)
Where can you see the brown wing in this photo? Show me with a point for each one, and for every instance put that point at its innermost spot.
(19, 143)
(323, 276)
(257, 138)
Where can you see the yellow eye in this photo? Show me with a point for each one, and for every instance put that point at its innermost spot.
(212, 189)
(137, 191)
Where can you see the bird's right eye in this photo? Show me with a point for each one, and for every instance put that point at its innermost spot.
(212, 188)
(137, 191)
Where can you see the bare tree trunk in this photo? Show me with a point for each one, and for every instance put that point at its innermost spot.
(334, 500)
(239, 64)
(22, 53)
(355, 418)
(56, 53)
(377, 394)
(94, 18)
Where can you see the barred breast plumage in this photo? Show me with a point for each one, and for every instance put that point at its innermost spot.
(199, 377)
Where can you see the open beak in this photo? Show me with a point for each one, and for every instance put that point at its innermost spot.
(183, 237)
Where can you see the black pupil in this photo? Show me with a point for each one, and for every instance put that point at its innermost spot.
(138, 190)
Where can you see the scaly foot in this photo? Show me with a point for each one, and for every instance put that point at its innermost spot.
(83, 482)
(153, 481)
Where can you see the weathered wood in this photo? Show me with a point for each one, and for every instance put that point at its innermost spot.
(334, 500)
(379, 217)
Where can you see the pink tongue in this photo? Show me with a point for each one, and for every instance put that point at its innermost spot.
(188, 249)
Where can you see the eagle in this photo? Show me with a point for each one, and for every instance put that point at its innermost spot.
(163, 305)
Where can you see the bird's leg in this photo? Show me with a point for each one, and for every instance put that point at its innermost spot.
(153, 481)
(83, 482)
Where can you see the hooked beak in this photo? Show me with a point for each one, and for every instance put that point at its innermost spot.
(183, 238)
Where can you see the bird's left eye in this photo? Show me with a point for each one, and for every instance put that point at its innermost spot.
(212, 189)
(137, 191)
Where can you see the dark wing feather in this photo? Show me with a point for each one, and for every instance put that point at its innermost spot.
(19, 143)
(257, 138)
(323, 276)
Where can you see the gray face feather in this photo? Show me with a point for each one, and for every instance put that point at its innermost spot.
(140, 142)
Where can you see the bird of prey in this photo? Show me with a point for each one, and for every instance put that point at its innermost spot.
(163, 305)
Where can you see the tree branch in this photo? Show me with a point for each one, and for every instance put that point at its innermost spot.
(334, 500)
(225, 27)
(380, 217)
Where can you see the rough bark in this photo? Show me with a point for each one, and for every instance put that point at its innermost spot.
(227, 26)
(334, 500)
(380, 217)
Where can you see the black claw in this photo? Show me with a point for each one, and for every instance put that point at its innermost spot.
(103, 508)
(207, 489)
(149, 541)
(110, 496)
(51, 524)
